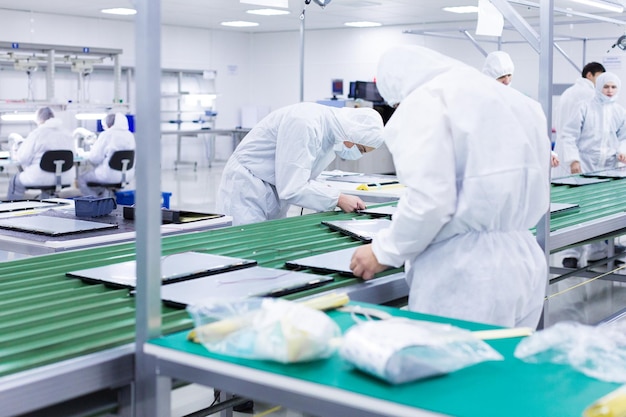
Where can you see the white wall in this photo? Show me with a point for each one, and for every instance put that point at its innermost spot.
(264, 69)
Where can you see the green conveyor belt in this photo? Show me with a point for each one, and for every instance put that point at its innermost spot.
(596, 201)
(46, 317)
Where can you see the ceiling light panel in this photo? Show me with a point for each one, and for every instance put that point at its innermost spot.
(462, 9)
(268, 12)
(267, 3)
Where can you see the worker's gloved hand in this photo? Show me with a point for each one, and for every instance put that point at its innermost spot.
(350, 203)
(364, 263)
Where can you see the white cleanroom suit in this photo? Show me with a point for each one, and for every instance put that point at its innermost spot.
(595, 133)
(498, 64)
(115, 138)
(475, 158)
(278, 161)
(49, 135)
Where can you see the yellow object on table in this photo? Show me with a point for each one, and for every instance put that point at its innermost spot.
(611, 405)
(377, 186)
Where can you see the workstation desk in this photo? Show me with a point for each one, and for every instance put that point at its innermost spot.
(37, 244)
(236, 135)
(84, 333)
(330, 387)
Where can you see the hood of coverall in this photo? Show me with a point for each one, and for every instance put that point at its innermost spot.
(402, 69)
(361, 125)
(121, 122)
(498, 64)
(604, 78)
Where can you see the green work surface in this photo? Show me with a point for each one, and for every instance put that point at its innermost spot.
(509, 388)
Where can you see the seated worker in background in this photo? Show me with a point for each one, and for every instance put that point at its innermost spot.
(278, 161)
(474, 160)
(499, 65)
(115, 137)
(49, 135)
(594, 139)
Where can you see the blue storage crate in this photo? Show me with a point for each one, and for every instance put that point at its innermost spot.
(127, 198)
(92, 206)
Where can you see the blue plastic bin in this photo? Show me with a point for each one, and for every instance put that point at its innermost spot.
(127, 198)
(91, 206)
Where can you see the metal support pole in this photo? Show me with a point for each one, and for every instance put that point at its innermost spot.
(302, 55)
(149, 389)
(117, 77)
(50, 76)
(546, 56)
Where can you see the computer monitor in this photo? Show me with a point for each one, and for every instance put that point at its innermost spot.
(337, 88)
(365, 90)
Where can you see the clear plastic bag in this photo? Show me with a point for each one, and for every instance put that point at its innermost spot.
(400, 350)
(598, 352)
(264, 328)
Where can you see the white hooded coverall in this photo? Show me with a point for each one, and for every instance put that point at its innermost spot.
(48, 136)
(498, 64)
(277, 162)
(474, 156)
(115, 138)
(595, 133)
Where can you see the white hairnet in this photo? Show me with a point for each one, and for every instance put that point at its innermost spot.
(498, 64)
(607, 77)
(402, 69)
(361, 125)
(43, 114)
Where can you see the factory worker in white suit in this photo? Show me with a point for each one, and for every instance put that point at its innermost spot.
(475, 158)
(48, 136)
(593, 139)
(115, 137)
(278, 161)
(499, 65)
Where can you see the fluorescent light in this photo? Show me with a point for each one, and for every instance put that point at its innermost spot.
(267, 3)
(363, 24)
(606, 5)
(461, 9)
(268, 12)
(18, 117)
(239, 24)
(120, 11)
(90, 116)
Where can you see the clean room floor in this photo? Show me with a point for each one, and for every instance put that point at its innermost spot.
(195, 190)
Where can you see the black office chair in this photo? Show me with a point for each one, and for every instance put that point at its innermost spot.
(56, 162)
(120, 161)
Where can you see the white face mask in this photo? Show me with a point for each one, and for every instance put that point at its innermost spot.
(350, 154)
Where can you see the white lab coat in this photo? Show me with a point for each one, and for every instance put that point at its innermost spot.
(474, 156)
(116, 138)
(278, 161)
(595, 133)
(48, 136)
(569, 104)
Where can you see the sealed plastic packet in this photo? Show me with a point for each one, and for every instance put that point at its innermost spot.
(264, 328)
(400, 350)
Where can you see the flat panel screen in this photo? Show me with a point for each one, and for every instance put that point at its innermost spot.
(52, 226)
(364, 230)
(174, 268)
(18, 205)
(559, 207)
(380, 211)
(577, 181)
(249, 282)
(336, 261)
